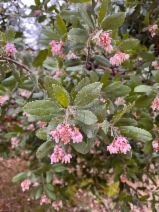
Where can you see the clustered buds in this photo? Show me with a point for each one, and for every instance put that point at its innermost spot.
(118, 58)
(44, 200)
(152, 168)
(10, 49)
(14, 142)
(60, 155)
(119, 145)
(26, 114)
(71, 56)
(57, 48)
(31, 127)
(37, 12)
(57, 205)
(152, 29)
(155, 104)
(58, 73)
(119, 101)
(155, 64)
(3, 99)
(123, 178)
(65, 133)
(42, 124)
(25, 185)
(155, 145)
(104, 41)
(25, 93)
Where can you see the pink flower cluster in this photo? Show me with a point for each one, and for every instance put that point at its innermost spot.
(14, 142)
(58, 73)
(155, 145)
(118, 58)
(25, 93)
(10, 49)
(119, 101)
(59, 154)
(25, 185)
(123, 178)
(57, 205)
(155, 64)
(152, 168)
(155, 104)
(42, 124)
(65, 133)
(57, 48)
(31, 127)
(152, 29)
(71, 56)
(37, 12)
(44, 200)
(3, 99)
(26, 114)
(104, 41)
(57, 181)
(119, 145)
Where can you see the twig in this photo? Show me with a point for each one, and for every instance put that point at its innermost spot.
(9, 60)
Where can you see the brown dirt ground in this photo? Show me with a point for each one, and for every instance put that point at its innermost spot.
(12, 199)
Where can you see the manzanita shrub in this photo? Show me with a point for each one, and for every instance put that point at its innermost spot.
(83, 110)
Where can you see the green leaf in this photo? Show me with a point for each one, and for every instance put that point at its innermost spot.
(73, 62)
(42, 108)
(61, 95)
(87, 94)
(144, 101)
(84, 82)
(136, 133)
(126, 122)
(10, 34)
(50, 194)
(146, 56)
(130, 43)
(86, 116)
(58, 167)
(3, 36)
(34, 191)
(85, 16)
(48, 82)
(61, 24)
(116, 89)
(113, 22)
(39, 59)
(93, 76)
(143, 89)
(78, 35)
(148, 147)
(42, 133)
(89, 130)
(135, 81)
(105, 77)
(83, 147)
(103, 11)
(102, 61)
(9, 82)
(49, 176)
(45, 149)
(38, 192)
(19, 177)
(15, 72)
(122, 112)
(66, 14)
(49, 187)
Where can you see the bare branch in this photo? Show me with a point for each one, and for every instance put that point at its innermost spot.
(9, 60)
